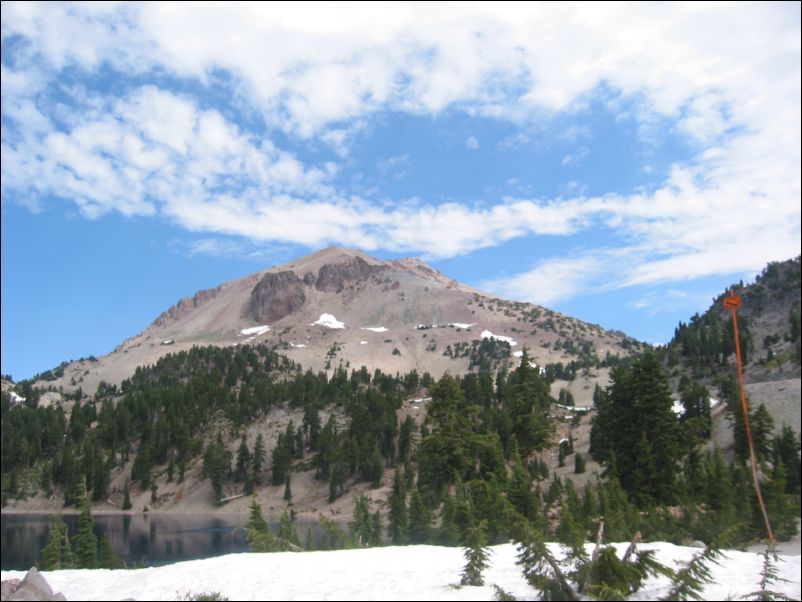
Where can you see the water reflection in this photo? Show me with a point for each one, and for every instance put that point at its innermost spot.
(158, 538)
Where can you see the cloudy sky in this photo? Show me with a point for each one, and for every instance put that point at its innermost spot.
(621, 163)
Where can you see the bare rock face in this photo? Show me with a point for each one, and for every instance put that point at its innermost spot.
(277, 294)
(186, 305)
(332, 277)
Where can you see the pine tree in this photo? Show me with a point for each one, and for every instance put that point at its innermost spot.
(108, 558)
(398, 511)
(476, 555)
(579, 463)
(51, 553)
(287, 490)
(639, 432)
(420, 519)
(286, 530)
(243, 465)
(86, 540)
(127, 499)
(258, 460)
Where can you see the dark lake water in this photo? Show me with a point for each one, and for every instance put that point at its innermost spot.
(155, 538)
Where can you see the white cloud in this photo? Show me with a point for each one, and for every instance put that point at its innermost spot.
(471, 143)
(728, 80)
(548, 282)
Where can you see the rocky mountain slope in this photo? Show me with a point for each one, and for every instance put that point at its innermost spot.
(341, 306)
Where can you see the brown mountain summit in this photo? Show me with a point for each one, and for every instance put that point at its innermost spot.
(344, 306)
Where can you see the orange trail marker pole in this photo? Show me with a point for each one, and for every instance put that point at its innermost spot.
(733, 302)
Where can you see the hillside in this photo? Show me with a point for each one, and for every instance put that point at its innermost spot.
(769, 326)
(341, 306)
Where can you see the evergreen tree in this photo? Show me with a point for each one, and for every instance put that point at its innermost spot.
(108, 558)
(51, 553)
(639, 432)
(287, 489)
(420, 519)
(579, 463)
(86, 540)
(243, 465)
(476, 555)
(286, 530)
(398, 511)
(127, 499)
(258, 459)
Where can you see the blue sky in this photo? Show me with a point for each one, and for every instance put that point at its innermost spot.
(619, 163)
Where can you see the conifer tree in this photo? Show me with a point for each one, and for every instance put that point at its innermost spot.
(287, 489)
(420, 519)
(86, 540)
(51, 553)
(127, 498)
(398, 511)
(243, 465)
(286, 530)
(108, 558)
(638, 433)
(258, 460)
(476, 555)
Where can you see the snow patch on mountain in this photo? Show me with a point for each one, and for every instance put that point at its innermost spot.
(486, 334)
(254, 331)
(329, 321)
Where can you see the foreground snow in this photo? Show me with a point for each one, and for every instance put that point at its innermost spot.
(392, 573)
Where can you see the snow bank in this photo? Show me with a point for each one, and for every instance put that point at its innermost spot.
(376, 328)
(486, 334)
(389, 573)
(363, 342)
(461, 325)
(328, 321)
(298, 345)
(254, 331)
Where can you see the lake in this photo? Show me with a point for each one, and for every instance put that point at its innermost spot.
(157, 539)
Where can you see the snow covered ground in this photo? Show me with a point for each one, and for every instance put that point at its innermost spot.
(391, 573)
(486, 334)
(254, 330)
(329, 321)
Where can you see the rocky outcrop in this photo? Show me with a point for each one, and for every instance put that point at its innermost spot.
(277, 294)
(186, 305)
(32, 587)
(332, 277)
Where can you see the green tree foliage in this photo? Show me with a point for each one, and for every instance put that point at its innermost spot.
(127, 498)
(398, 511)
(243, 464)
(108, 557)
(217, 465)
(476, 554)
(85, 540)
(641, 432)
(258, 459)
(52, 554)
(365, 529)
(419, 523)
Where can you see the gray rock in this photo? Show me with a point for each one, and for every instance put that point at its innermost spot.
(332, 277)
(276, 295)
(35, 587)
(7, 588)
